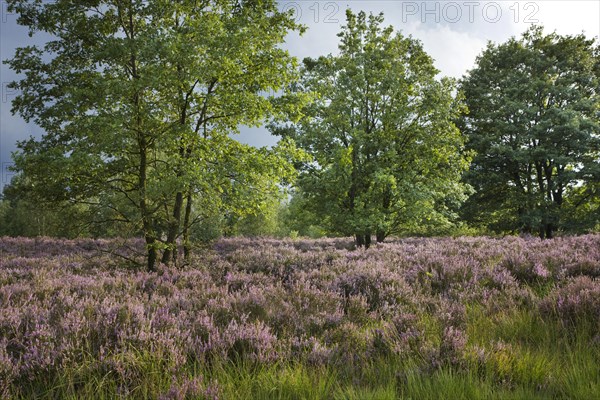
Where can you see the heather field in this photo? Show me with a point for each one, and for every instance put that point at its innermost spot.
(470, 318)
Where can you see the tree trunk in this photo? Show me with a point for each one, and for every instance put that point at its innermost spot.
(368, 240)
(170, 253)
(152, 255)
(549, 231)
(147, 225)
(360, 240)
(186, 228)
(546, 230)
(380, 234)
(143, 145)
(526, 228)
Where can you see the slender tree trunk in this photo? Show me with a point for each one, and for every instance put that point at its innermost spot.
(186, 228)
(170, 253)
(557, 198)
(368, 240)
(145, 214)
(380, 234)
(549, 231)
(147, 225)
(546, 230)
(143, 145)
(152, 254)
(526, 228)
(360, 240)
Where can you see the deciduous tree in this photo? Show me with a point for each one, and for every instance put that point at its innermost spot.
(386, 151)
(137, 99)
(533, 120)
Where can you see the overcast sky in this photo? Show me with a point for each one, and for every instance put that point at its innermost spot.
(452, 32)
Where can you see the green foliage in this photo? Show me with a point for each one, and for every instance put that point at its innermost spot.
(270, 217)
(533, 121)
(387, 156)
(264, 221)
(20, 216)
(23, 218)
(300, 219)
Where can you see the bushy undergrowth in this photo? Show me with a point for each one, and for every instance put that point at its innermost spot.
(262, 318)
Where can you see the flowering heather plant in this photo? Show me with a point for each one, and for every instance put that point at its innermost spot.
(190, 388)
(74, 305)
(453, 345)
(578, 300)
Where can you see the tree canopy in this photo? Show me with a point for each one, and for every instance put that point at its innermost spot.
(533, 121)
(138, 99)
